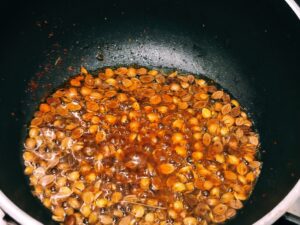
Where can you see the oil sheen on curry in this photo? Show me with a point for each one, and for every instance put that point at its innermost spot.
(131, 146)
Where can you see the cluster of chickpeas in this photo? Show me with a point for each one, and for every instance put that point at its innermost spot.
(138, 146)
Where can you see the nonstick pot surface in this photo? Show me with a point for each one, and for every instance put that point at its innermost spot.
(251, 49)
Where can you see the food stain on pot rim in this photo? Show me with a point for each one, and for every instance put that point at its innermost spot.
(133, 145)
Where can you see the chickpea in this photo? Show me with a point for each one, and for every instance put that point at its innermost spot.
(28, 170)
(181, 150)
(174, 87)
(228, 120)
(45, 108)
(177, 138)
(131, 72)
(116, 197)
(106, 220)
(220, 158)
(224, 131)
(190, 221)
(28, 156)
(213, 128)
(178, 123)
(91, 177)
(150, 217)
(78, 187)
(85, 210)
(155, 100)
(111, 82)
(141, 71)
(138, 211)
(197, 156)
(230, 175)
(74, 203)
(85, 91)
(34, 132)
(197, 136)
(153, 117)
(111, 119)
(101, 203)
(153, 72)
(73, 106)
(232, 159)
(208, 185)
(172, 214)
(178, 206)
(179, 187)
(75, 83)
(162, 109)
(145, 183)
(109, 72)
(206, 113)
(166, 168)
(30, 143)
(183, 105)
(73, 176)
(88, 197)
(127, 83)
(235, 103)
(217, 95)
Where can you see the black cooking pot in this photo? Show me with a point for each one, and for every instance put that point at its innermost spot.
(251, 49)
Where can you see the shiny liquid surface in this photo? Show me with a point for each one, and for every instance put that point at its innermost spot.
(140, 146)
